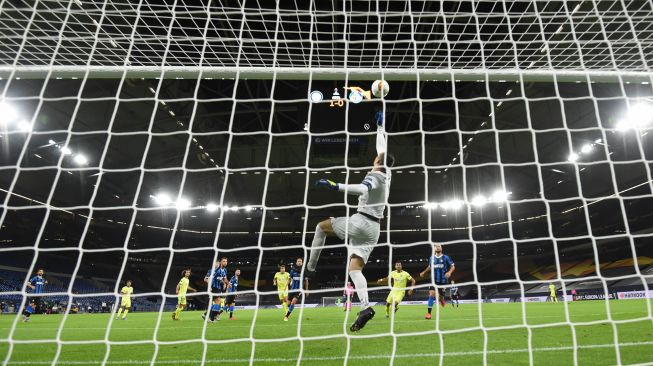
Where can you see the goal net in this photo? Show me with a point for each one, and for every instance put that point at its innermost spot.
(141, 139)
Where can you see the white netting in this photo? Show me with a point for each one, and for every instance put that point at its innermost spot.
(576, 146)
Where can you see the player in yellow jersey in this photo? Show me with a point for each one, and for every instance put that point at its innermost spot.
(552, 294)
(282, 280)
(182, 288)
(399, 277)
(125, 300)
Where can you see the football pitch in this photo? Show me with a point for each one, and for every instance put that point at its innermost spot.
(496, 332)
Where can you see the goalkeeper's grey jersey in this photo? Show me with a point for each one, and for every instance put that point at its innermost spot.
(373, 201)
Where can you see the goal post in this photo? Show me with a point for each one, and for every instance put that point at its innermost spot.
(299, 73)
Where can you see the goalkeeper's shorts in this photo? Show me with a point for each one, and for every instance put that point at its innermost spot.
(363, 234)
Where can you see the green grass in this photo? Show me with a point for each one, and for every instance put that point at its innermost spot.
(416, 341)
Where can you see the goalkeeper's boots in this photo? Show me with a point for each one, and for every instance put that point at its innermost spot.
(363, 317)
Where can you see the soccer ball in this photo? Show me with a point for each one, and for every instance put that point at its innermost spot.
(380, 88)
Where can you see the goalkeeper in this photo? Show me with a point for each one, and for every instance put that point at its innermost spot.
(362, 228)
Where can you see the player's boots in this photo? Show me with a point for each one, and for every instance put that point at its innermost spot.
(363, 317)
(428, 316)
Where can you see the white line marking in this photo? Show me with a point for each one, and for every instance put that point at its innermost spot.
(336, 358)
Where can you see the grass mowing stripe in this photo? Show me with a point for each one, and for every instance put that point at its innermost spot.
(336, 358)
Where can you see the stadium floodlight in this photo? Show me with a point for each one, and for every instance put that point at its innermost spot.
(80, 159)
(453, 204)
(500, 196)
(638, 116)
(586, 148)
(8, 113)
(431, 205)
(24, 126)
(248, 208)
(211, 207)
(162, 199)
(573, 157)
(479, 200)
(66, 150)
(182, 204)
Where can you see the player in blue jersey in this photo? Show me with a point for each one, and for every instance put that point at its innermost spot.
(231, 294)
(218, 281)
(37, 285)
(454, 295)
(37, 282)
(295, 293)
(440, 268)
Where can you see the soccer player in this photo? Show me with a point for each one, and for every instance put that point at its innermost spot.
(218, 280)
(231, 297)
(125, 300)
(363, 228)
(295, 286)
(453, 291)
(440, 268)
(349, 292)
(29, 310)
(282, 280)
(552, 294)
(36, 284)
(399, 277)
(182, 288)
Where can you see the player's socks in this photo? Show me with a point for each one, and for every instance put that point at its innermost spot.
(118, 313)
(361, 287)
(124, 313)
(430, 304)
(316, 248)
(387, 309)
(290, 309)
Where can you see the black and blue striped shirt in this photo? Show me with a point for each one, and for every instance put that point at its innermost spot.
(440, 266)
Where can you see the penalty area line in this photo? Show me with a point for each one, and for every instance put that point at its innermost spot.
(332, 358)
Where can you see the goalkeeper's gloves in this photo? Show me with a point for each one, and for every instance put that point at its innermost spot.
(378, 117)
(327, 183)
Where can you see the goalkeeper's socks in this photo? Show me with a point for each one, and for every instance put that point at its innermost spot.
(361, 287)
(316, 248)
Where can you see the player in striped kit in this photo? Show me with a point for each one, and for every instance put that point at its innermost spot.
(230, 303)
(218, 280)
(361, 229)
(440, 268)
(295, 293)
(36, 284)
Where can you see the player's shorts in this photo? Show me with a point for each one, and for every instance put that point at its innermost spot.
(363, 234)
(395, 296)
(283, 294)
(217, 290)
(230, 299)
(126, 302)
(295, 295)
(181, 300)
